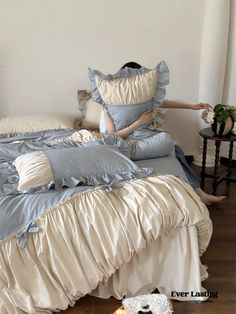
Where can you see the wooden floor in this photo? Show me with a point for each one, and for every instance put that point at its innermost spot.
(220, 258)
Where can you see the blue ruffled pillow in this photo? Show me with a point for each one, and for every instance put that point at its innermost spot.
(86, 165)
(130, 92)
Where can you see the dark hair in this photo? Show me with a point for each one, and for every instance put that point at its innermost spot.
(132, 64)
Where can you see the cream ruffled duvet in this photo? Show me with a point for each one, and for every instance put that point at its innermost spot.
(147, 233)
(84, 240)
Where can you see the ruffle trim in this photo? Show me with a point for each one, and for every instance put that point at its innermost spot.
(107, 181)
(163, 80)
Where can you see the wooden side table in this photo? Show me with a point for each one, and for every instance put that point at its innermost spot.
(207, 134)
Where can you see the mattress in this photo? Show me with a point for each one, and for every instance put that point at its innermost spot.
(164, 165)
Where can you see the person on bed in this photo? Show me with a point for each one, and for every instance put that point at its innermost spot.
(148, 117)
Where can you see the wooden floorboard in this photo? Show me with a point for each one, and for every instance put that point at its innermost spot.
(220, 258)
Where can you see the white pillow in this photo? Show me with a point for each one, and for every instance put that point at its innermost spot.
(34, 123)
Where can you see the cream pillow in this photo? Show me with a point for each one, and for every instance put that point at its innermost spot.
(34, 170)
(34, 123)
(92, 117)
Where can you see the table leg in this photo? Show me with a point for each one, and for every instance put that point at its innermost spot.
(204, 151)
(217, 155)
(231, 145)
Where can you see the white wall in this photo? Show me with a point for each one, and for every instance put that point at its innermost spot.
(48, 45)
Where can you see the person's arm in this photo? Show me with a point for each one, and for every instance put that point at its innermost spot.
(145, 118)
(109, 122)
(181, 105)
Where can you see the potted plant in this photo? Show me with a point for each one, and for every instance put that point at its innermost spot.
(220, 119)
(233, 115)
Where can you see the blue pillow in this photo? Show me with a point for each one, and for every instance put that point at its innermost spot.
(158, 145)
(86, 165)
(130, 92)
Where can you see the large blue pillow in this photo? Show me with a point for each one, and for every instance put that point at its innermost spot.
(87, 165)
(130, 92)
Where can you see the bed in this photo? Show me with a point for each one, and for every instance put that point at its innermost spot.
(132, 237)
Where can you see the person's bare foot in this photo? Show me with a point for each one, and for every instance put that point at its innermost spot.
(209, 199)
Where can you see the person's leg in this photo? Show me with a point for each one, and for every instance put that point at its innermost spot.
(193, 179)
(190, 174)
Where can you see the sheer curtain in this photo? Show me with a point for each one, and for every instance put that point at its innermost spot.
(229, 93)
(1, 62)
(215, 56)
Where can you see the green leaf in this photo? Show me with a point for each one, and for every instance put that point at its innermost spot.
(218, 108)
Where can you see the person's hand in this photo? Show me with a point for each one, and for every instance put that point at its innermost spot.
(105, 111)
(145, 118)
(201, 106)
